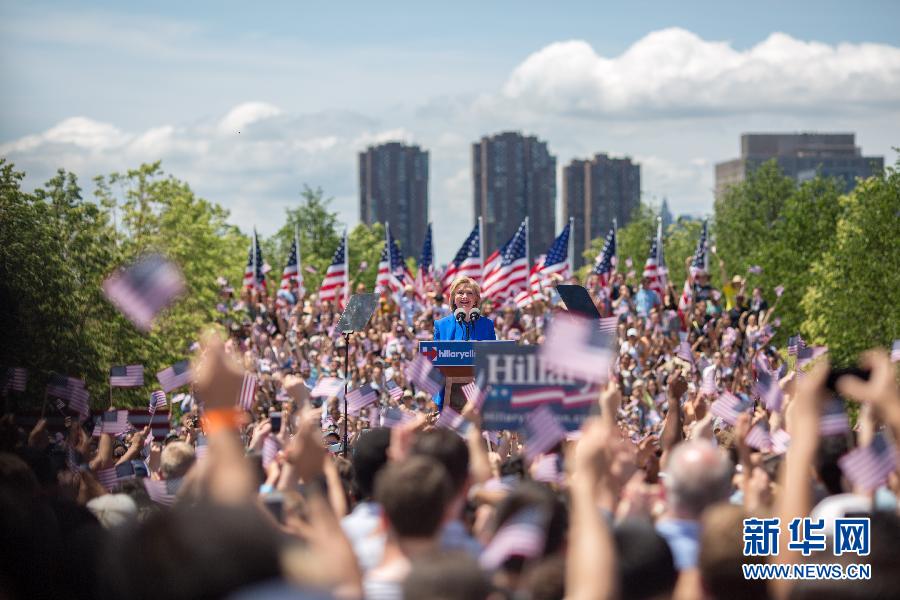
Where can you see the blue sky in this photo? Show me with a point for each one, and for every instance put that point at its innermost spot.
(101, 86)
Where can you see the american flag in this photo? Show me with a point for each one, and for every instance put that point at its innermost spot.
(360, 397)
(126, 376)
(544, 432)
(157, 400)
(609, 325)
(700, 262)
(392, 417)
(328, 387)
(79, 400)
(521, 535)
(112, 422)
(781, 439)
(684, 352)
(162, 491)
(107, 478)
(795, 344)
(867, 468)
(64, 387)
(292, 273)
(254, 277)
(270, 449)
(655, 267)
(708, 385)
(834, 418)
(506, 270)
(393, 273)
(779, 290)
(466, 263)
(895, 351)
(425, 274)
(16, 379)
(335, 286)
(809, 353)
(537, 396)
(143, 289)
(603, 265)
(588, 394)
(729, 407)
(424, 375)
(546, 469)
(767, 388)
(474, 394)
(374, 416)
(576, 345)
(755, 269)
(175, 376)
(758, 437)
(527, 294)
(556, 260)
(450, 419)
(393, 390)
(248, 391)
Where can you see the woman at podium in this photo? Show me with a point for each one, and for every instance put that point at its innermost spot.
(465, 322)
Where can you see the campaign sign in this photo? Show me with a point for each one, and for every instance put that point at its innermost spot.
(448, 353)
(517, 383)
(455, 353)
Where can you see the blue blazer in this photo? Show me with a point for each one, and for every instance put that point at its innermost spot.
(449, 328)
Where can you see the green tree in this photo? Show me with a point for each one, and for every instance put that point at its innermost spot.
(772, 222)
(319, 238)
(852, 303)
(681, 242)
(633, 240)
(746, 215)
(366, 244)
(56, 249)
(804, 230)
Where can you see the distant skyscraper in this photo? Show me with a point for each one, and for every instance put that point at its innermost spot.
(514, 176)
(393, 187)
(594, 193)
(801, 156)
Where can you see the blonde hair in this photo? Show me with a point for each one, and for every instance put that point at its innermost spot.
(458, 283)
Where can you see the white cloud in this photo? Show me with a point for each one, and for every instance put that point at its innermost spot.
(672, 101)
(673, 71)
(244, 114)
(255, 173)
(76, 131)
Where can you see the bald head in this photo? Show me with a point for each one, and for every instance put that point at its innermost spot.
(698, 475)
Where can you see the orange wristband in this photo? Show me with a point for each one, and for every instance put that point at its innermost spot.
(220, 418)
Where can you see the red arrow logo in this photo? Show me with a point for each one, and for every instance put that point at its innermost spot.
(430, 354)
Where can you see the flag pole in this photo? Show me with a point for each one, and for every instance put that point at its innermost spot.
(346, 270)
(481, 247)
(297, 244)
(615, 256)
(527, 240)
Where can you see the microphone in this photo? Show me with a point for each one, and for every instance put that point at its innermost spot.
(460, 314)
(474, 315)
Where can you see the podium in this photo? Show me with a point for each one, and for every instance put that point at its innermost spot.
(456, 362)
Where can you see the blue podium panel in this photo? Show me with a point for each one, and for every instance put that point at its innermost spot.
(451, 353)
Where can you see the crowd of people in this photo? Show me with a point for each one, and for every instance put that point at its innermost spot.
(650, 499)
